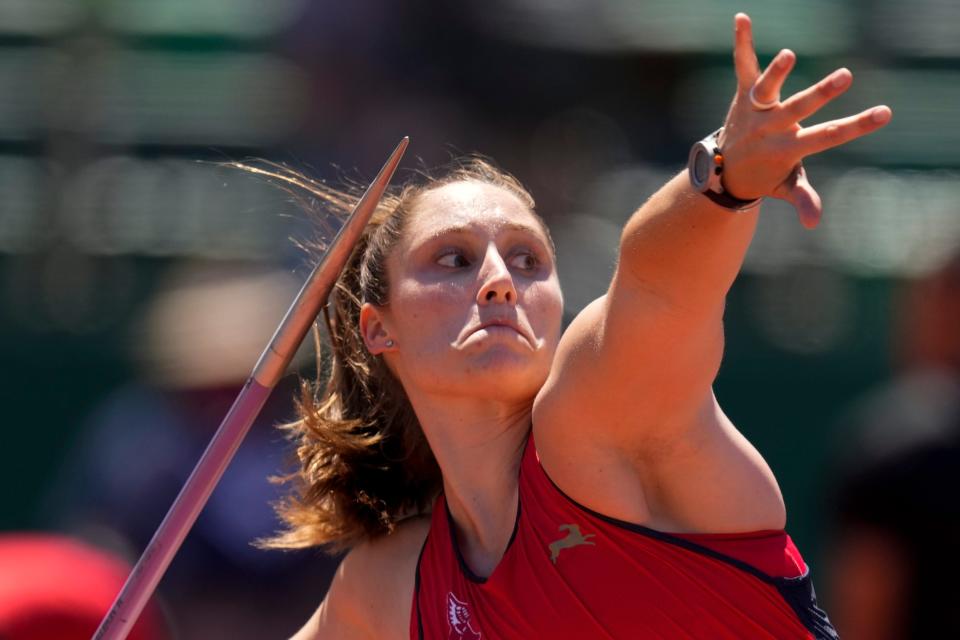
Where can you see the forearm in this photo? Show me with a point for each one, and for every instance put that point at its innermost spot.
(684, 248)
(687, 250)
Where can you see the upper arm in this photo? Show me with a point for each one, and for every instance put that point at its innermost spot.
(628, 425)
(652, 345)
(651, 362)
(341, 614)
(371, 593)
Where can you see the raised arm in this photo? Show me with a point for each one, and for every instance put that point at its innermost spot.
(627, 422)
(680, 245)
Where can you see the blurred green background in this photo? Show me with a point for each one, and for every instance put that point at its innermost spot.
(113, 115)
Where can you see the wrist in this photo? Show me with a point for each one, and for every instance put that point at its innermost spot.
(705, 167)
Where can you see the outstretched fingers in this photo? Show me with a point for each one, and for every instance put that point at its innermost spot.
(781, 141)
(744, 55)
(767, 87)
(837, 132)
(804, 104)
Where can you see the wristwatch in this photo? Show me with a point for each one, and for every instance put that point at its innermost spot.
(705, 166)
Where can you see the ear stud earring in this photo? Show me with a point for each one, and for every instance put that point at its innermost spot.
(389, 343)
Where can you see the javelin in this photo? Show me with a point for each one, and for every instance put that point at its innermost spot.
(267, 372)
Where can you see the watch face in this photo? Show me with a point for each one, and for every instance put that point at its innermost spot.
(702, 165)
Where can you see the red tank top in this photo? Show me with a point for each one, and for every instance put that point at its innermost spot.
(569, 572)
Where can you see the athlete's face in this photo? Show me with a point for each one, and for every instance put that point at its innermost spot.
(474, 303)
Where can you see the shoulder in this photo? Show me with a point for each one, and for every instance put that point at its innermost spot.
(372, 591)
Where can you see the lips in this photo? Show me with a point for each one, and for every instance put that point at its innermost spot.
(503, 322)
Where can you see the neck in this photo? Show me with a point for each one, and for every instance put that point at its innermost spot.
(478, 445)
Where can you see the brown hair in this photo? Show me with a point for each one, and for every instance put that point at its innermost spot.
(365, 464)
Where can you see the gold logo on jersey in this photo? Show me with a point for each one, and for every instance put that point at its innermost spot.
(573, 538)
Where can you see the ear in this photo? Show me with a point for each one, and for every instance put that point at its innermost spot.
(373, 328)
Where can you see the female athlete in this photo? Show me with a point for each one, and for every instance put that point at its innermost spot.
(583, 485)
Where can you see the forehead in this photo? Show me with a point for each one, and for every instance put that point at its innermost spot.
(472, 206)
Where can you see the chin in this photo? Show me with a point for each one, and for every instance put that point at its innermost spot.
(501, 372)
(505, 374)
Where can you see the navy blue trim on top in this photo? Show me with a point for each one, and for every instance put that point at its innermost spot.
(672, 539)
(800, 595)
(797, 591)
(467, 571)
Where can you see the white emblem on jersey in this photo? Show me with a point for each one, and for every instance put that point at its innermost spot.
(458, 617)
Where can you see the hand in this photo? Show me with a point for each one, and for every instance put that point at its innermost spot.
(763, 148)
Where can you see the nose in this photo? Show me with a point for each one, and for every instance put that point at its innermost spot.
(497, 281)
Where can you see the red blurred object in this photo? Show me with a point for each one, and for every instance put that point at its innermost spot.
(56, 588)
(930, 319)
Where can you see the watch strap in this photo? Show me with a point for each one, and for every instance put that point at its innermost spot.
(729, 202)
(713, 188)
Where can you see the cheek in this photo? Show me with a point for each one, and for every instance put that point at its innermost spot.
(413, 295)
(544, 299)
(423, 308)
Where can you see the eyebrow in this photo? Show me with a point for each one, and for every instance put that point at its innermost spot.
(510, 226)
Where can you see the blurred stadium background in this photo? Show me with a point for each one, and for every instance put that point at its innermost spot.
(139, 280)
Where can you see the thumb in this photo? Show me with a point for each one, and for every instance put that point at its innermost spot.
(804, 198)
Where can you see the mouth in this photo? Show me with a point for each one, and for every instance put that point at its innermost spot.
(503, 325)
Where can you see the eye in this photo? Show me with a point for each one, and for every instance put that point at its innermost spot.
(525, 261)
(453, 259)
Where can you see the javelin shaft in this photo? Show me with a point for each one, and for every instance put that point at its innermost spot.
(155, 559)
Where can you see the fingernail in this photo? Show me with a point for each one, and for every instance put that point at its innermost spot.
(881, 115)
(841, 78)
